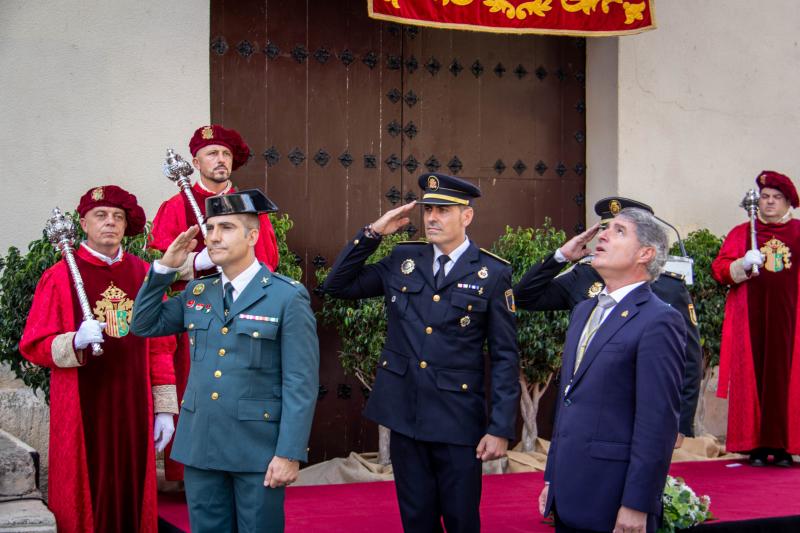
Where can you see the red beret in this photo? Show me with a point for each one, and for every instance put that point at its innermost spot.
(216, 134)
(776, 180)
(113, 196)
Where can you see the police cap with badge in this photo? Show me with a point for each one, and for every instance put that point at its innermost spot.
(441, 189)
(248, 202)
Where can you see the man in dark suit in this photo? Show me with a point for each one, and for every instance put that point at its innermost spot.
(445, 299)
(619, 394)
(545, 288)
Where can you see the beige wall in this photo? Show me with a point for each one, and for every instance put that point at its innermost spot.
(93, 92)
(704, 103)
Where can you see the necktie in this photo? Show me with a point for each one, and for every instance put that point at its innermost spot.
(604, 301)
(440, 275)
(228, 298)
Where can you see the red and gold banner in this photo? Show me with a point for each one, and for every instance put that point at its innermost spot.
(586, 18)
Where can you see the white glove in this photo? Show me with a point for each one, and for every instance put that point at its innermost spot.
(752, 257)
(163, 430)
(202, 261)
(89, 332)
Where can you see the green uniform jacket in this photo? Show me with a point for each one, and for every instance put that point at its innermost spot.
(254, 375)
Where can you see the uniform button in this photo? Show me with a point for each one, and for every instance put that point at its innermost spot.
(385, 363)
(255, 334)
(436, 297)
(217, 374)
(404, 289)
(464, 386)
(567, 402)
(355, 241)
(221, 352)
(429, 330)
(469, 307)
(181, 402)
(224, 331)
(191, 326)
(266, 415)
(423, 364)
(214, 395)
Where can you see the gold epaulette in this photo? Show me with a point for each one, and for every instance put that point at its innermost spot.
(495, 256)
(412, 242)
(680, 277)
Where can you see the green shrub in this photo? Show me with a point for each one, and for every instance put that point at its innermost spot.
(288, 265)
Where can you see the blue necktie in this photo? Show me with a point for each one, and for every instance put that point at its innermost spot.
(440, 275)
(228, 298)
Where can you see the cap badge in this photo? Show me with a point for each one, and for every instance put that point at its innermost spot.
(763, 179)
(615, 207)
(97, 194)
(595, 289)
(483, 273)
(464, 321)
(407, 267)
(198, 289)
(207, 133)
(433, 183)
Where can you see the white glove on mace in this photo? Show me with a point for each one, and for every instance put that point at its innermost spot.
(89, 332)
(163, 429)
(752, 257)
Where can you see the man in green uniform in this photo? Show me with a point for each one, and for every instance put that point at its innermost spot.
(246, 414)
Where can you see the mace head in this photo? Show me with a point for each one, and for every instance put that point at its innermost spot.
(175, 167)
(750, 201)
(60, 229)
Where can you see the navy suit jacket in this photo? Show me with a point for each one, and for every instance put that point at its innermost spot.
(617, 417)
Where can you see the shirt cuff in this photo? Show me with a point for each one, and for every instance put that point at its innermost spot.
(158, 268)
(558, 256)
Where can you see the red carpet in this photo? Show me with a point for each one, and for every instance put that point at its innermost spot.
(509, 501)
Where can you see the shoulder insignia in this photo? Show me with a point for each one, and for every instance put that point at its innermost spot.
(286, 279)
(487, 252)
(586, 260)
(692, 314)
(412, 242)
(209, 277)
(674, 275)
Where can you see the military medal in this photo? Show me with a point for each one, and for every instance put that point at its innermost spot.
(407, 267)
(464, 321)
(198, 289)
(483, 273)
(595, 289)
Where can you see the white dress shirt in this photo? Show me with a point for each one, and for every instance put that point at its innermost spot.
(102, 257)
(617, 296)
(239, 282)
(454, 255)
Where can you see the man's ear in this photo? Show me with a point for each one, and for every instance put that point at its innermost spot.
(196, 163)
(252, 237)
(466, 216)
(646, 254)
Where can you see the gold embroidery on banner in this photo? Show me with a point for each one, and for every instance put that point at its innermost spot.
(115, 309)
(520, 12)
(778, 255)
(395, 3)
(632, 11)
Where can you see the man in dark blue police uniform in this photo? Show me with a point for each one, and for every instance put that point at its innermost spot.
(542, 288)
(445, 299)
(246, 414)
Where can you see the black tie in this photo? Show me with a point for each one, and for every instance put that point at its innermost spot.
(440, 275)
(228, 298)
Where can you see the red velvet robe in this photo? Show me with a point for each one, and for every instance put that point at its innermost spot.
(759, 368)
(173, 217)
(102, 474)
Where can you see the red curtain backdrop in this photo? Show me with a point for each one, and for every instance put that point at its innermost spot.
(584, 18)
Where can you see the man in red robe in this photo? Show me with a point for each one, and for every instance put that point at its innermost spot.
(102, 458)
(216, 153)
(759, 369)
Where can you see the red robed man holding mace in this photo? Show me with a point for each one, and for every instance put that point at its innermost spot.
(102, 473)
(760, 352)
(216, 153)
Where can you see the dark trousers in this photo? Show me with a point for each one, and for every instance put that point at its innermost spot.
(436, 482)
(222, 502)
(561, 527)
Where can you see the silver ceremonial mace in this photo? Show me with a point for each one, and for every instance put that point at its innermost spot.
(178, 170)
(61, 233)
(750, 204)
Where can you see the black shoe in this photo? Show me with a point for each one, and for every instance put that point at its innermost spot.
(758, 458)
(783, 459)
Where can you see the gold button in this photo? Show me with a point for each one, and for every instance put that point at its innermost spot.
(355, 241)
(191, 326)
(221, 352)
(255, 334)
(217, 374)
(385, 363)
(469, 307)
(224, 331)
(423, 364)
(436, 297)
(266, 415)
(404, 289)
(214, 395)
(429, 330)
(464, 386)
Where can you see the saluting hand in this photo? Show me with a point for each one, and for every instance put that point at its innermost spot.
(575, 249)
(178, 251)
(394, 219)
